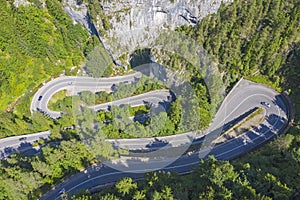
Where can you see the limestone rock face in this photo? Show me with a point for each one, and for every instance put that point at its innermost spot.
(77, 12)
(136, 23)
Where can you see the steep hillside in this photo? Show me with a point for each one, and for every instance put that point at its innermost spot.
(37, 41)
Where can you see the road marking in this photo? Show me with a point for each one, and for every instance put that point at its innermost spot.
(256, 138)
(131, 171)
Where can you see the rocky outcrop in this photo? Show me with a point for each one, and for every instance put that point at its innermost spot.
(78, 12)
(136, 23)
(18, 3)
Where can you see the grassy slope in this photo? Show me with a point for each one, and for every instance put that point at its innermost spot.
(35, 43)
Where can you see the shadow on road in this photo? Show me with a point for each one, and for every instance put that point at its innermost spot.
(280, 103)
(223, 128)
(24, 149)
(157, 143)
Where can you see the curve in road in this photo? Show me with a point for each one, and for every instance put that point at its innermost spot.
(246, 96)
(74, 84)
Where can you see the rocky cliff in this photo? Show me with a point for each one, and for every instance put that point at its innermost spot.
(136, 23)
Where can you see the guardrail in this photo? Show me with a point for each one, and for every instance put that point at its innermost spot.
(291, 111)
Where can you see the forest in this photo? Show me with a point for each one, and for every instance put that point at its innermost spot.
(256, 39)
(169, 118)
(259, 40)
(211, 179)
(36, 44)
(250, 38)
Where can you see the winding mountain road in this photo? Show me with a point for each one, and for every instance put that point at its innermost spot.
(75, 85)
(245, 96)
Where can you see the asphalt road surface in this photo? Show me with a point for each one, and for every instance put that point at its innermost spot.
(21, 143)
(153, 97)
(245, 96)
(74, 84)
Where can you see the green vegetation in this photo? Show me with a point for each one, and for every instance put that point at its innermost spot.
(95, 10)
(56, 97)
(121, 126)
(254, 114)
(145, 84)
(254, 119)
(212, 179)
(199, 102)
(270, 173)
(99, 63)
(29, 177)
(139, 110)
(250, 37)
(258, 39)
(117, 124)
(35, 44)
(121, 91)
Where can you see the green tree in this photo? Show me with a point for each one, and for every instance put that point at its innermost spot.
(139, 195)
(98, 62)
(125, 186)
(175, 112)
